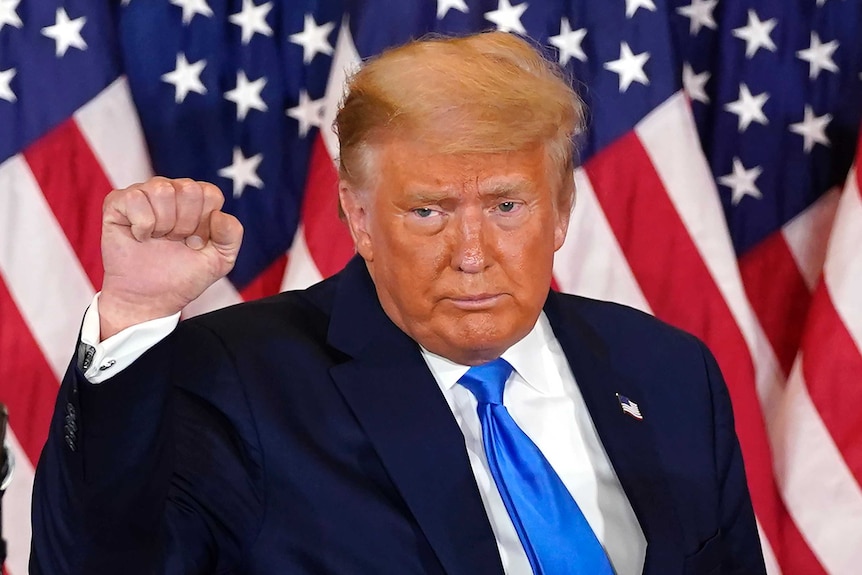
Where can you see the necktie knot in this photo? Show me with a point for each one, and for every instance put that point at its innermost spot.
(487, 381)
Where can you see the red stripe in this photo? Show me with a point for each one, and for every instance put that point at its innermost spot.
(268, 282)
(680, 290)
(328, 240)
(832, 365)
(28, 387)
(74, 184)
(778, 294)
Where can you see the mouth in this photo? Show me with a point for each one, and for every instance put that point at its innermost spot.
(476, 302)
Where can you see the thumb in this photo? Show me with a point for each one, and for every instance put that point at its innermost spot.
(226, 234)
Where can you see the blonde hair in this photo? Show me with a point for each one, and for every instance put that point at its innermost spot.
(484, 93)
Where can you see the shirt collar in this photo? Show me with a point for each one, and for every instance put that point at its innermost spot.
(525, 356)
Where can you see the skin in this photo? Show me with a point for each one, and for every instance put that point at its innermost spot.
(460, 246)
(163, 243)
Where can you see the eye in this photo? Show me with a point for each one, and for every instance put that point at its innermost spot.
(423, 212)
(507, 206)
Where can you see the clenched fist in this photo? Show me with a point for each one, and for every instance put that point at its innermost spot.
(163, 243)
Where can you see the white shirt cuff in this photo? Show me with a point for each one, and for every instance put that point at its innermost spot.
(107, 358)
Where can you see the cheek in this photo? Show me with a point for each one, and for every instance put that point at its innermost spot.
(527, 260)
(412, 270)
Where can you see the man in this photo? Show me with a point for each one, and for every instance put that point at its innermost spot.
(342, 429)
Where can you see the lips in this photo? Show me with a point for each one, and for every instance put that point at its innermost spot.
(476, 301)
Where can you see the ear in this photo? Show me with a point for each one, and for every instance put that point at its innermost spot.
(563, 207)
(354, 204)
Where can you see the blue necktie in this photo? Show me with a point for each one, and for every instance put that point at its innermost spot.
(553, 530)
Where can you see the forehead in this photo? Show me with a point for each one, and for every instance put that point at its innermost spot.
(412, 164)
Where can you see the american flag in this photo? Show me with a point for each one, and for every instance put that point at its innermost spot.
(630, 407)
(712, 192)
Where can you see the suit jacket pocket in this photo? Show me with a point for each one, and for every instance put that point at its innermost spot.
(707, 559)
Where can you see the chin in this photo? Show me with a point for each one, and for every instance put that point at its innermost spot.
(480, 341)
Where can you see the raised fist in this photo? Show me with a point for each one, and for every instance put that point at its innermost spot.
(163, 243)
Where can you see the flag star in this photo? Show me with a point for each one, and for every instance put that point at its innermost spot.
(186, 78)
(243, 172)
(695, 84)
(741, 182)
(246, 95)
(308, 113)
(443, 7)
(252, 20)
(749, 108)
(819, 56)
(507, 18)
(8, 13)
(756, 34)
(6, 92)
(633, 5)
(812, 129)
(568, 42)
(192, 7)
(699, 13)
(629, 67)
(314, 39)
(66, 33)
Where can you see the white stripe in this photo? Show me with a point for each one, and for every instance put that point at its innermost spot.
(842, 272)
(345, 61)
(821, 493)
(42, 271)
(109, 123)
(218, 295)
(669, 136)
(769, 559)
(591, 262)
(16, 510)
(807, 234)
(301, 271)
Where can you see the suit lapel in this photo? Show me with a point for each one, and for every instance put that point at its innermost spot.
(399, 405)
(629, 442)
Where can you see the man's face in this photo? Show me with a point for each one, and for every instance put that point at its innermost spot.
(460, 247)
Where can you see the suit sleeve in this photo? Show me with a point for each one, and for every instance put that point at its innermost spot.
(156, 470)
(740, 542)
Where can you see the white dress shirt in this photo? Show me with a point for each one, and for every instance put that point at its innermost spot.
(544, 400)
(116, 353)
(541, 396)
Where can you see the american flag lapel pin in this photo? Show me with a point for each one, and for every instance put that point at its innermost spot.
(630, 407)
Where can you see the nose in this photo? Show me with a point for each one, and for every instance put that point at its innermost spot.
(470, 254)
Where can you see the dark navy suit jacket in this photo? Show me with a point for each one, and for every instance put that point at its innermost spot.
(305, 434)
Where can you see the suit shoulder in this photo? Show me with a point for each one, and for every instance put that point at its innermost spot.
(601, 311)
(628, 328)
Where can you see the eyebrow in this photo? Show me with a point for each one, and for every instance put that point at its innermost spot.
(427, 196)
(511, 186)
(495, 188)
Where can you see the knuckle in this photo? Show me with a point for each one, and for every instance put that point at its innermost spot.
(111, 199)
(186, 185)
(212, 195)
(161, 190)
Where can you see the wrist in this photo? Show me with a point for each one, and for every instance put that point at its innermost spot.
(118, 312)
